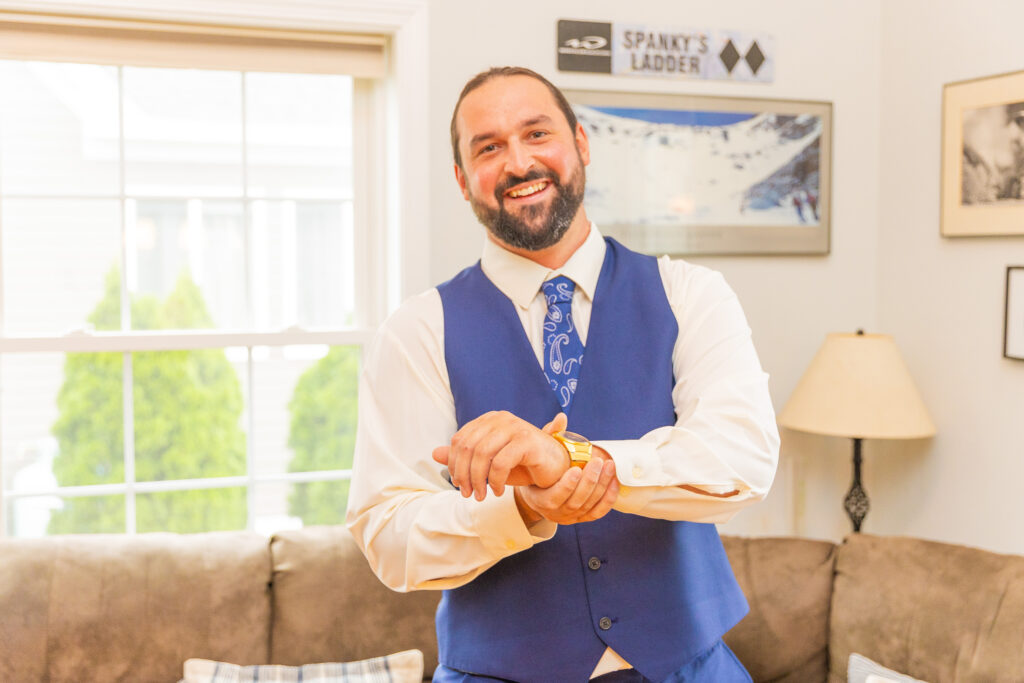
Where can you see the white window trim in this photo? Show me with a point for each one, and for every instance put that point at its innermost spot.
(399, 235)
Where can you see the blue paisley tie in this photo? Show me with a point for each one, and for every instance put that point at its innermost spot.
(563, 350)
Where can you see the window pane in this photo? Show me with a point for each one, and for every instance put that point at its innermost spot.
(30, 517)
(188, 415)
(62, 419)
(191, 511)
(38, 516)
(59, 129)
(61, 265)
(299, 133)
(187, 264)
(89, 515)
(29, 383)
(303, 259)
(305, 408)
(283, 505)
(183, 132)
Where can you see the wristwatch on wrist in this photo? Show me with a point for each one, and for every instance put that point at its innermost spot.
(578, 447)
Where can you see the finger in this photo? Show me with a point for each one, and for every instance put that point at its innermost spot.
(607, 473)
(585, 488)
(502, 465)
(487, 448)
(462, 445)
(460, 457)
(557, 425)
(603, 506)
(440, 454)
(479, 470)
(550, 499)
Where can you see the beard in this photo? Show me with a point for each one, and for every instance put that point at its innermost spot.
(536, 226)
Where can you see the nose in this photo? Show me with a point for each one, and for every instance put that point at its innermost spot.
(518, 161)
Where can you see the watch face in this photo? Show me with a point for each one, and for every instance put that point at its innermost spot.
(573, 436)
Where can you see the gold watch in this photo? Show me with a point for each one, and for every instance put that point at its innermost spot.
(579, 449)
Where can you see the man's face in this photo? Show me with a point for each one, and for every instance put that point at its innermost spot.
(522, 166)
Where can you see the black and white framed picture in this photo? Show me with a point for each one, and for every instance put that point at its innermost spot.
(983, 157)
(1013, 326)
(687, 174)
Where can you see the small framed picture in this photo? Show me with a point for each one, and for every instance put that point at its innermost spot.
(1013, 331)
(983, 156)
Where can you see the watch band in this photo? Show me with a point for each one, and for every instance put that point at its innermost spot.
(579, 449)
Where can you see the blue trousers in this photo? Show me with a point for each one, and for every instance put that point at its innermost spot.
(717, 664)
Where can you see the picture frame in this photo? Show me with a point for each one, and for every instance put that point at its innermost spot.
(698, 175)
(982, 185)
(1013, 320)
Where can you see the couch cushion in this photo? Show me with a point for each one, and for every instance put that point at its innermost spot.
(788, 583)
(329, 606)
(935, 611)
(104, 608)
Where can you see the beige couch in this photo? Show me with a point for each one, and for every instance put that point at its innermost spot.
(112, 608)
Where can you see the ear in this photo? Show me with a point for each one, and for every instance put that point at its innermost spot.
(460, 178)
(583, 143)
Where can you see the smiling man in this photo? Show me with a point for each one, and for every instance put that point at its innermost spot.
(563, 556)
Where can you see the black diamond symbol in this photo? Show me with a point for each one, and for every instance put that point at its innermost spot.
(755, 58)
(730, 55)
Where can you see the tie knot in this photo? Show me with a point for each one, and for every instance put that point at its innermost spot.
(558, 290)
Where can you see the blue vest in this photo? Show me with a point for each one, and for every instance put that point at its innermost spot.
(658, 592)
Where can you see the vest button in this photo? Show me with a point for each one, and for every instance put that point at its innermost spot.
(605, 623)
(594, 563)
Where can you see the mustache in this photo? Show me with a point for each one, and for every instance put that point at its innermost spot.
(512, 180)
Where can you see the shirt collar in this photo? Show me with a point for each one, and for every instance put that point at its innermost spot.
(520, 279)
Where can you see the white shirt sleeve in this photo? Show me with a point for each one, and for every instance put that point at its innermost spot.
(725, 441)
(414, 528)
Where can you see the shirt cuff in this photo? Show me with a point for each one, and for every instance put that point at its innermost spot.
(500, 528)
(636, 462)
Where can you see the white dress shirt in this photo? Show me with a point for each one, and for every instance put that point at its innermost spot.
(418, 532)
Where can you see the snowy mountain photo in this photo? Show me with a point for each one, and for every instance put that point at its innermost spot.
(662, 167)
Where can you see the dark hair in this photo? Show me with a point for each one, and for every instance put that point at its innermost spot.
(504, 71)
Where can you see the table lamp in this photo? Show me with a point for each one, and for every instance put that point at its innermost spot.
(858, 387)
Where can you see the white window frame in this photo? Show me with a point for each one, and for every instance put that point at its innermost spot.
(394, 244)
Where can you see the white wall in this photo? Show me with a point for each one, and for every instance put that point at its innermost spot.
(943, 298)
(824, 51)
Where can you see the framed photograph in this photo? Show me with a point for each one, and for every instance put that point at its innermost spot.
(1013, 325)
(983, 156)
(687, 174)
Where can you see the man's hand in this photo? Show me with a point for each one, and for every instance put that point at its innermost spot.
(579, 496)
(499, 448)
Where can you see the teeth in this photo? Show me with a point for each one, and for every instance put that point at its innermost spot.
(537, 187)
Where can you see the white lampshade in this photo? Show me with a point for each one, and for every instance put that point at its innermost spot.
(858, 386)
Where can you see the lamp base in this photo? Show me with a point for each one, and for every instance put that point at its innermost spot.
(856, 500)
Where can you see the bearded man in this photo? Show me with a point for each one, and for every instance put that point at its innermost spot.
(563, 556)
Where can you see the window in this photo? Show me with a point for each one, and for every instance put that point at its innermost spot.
(188, 272)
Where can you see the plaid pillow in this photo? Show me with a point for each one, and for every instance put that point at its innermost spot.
(401, 667)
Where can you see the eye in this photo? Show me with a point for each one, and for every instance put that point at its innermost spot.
(486, 149)
(538, 134)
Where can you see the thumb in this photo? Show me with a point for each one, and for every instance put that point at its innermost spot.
(440, 454)
(557, 425)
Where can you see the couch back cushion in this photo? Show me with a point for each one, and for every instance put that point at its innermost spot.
(330, 607)
(788, 583)
(934, 611)
(105, 608)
